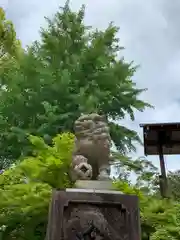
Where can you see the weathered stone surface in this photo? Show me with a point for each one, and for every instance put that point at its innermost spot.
(92, 148)
(94, 184)
(93, 214)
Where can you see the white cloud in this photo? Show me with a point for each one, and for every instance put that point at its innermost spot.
(150, 32)
(3, 3)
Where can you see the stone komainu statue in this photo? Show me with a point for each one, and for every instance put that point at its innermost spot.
(92, 148)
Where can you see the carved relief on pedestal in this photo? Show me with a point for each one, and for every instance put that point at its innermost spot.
(92, 222)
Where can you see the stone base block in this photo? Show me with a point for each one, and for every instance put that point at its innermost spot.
(93, 214)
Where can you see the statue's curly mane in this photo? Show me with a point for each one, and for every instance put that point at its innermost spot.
(93, 140)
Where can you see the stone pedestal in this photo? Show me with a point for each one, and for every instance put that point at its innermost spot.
(93, 214)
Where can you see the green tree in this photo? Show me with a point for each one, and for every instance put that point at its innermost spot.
(159, 219)
(9, 44)
(73, 69)
(145, 173)
(10, 52)
(174, 184)
(25, 189)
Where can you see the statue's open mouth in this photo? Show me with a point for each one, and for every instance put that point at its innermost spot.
(84, 169)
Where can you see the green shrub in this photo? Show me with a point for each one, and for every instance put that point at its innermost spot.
(25, 189)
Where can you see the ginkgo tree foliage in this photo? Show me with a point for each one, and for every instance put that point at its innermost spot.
(72, 69)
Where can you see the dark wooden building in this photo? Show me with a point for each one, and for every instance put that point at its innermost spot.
(161, 139)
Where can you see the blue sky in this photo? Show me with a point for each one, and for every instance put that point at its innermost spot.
(150, 32)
